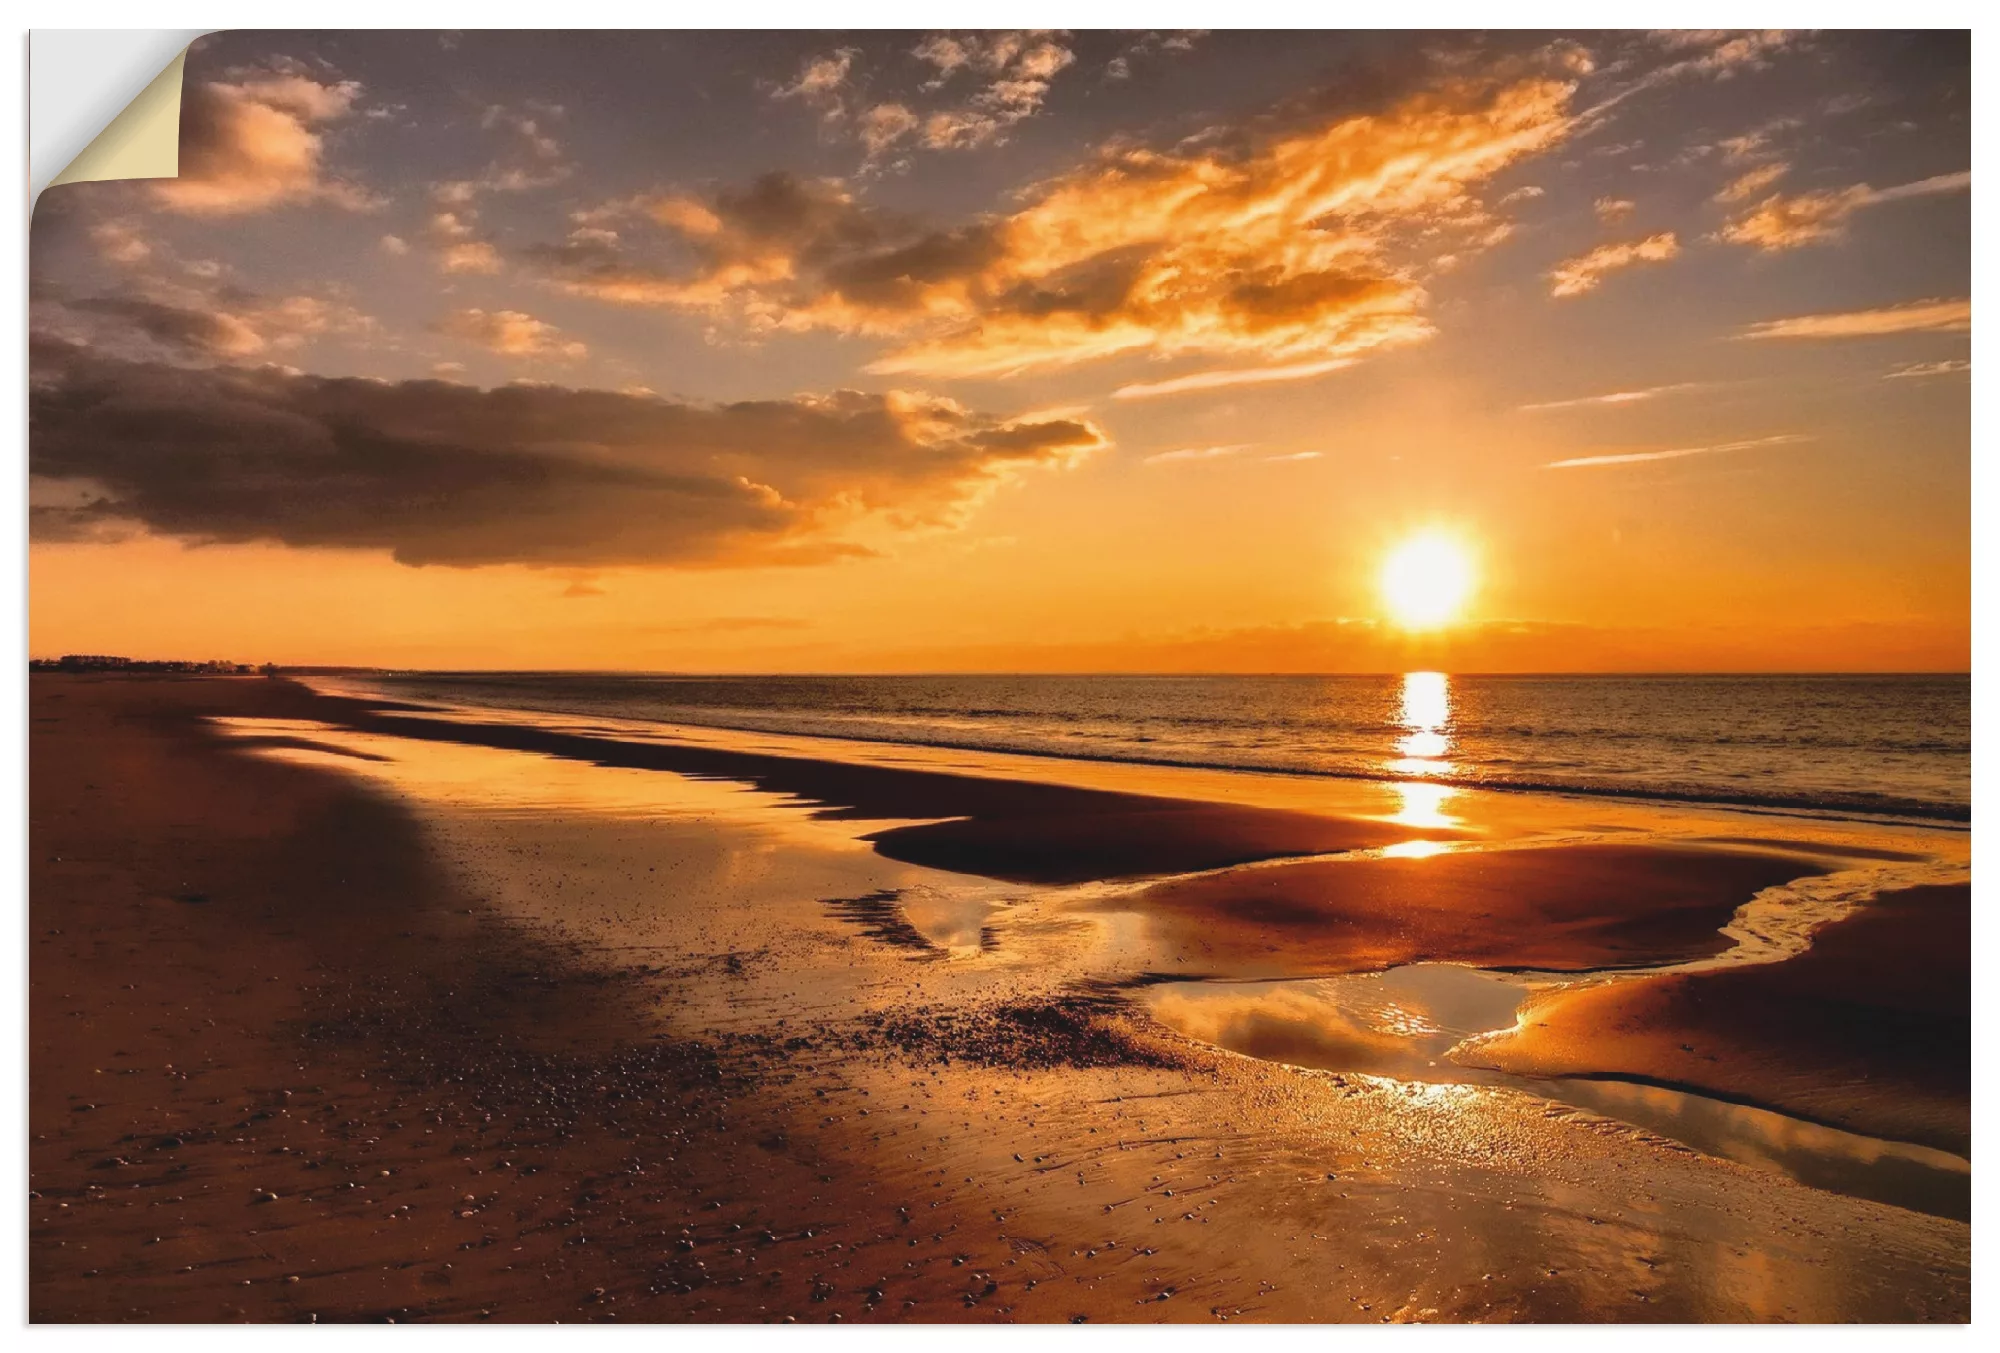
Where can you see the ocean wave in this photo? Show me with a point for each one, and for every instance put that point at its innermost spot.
(1879, 748)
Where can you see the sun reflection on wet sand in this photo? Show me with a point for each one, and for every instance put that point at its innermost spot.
(1409, 1024)
(1416, 850)
(730, 889)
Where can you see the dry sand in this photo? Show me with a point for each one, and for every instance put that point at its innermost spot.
(322, 1043)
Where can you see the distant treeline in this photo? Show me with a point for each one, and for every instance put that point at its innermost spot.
(103, 662)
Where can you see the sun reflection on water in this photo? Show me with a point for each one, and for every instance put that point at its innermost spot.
(1425, 744)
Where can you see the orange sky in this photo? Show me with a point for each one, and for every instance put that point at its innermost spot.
(1152, 348)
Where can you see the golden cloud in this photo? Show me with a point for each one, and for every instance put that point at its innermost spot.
(252, 144)
(1281, 247)
(1781, 222)
(1913, 317)
(1675, 453)
(1751, 182)
(1574, 277)
(512, 333)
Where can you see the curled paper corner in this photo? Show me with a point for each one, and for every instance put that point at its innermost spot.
(142, 142)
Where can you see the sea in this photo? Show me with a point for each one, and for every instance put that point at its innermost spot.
(1874, 746)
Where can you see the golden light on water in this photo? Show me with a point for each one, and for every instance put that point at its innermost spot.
(1426, 581)
(1426, 715)
(1425, 718)
(1425, 746)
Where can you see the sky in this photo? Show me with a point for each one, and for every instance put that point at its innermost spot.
(1018, 351)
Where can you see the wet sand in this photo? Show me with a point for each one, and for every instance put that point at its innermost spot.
(1868, 1030)
(323, 1026)
(1020, 830)
(1558, 909)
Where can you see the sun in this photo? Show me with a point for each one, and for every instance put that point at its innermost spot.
(1426, 580)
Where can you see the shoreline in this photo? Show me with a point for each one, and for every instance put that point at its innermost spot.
(622, 1000)
(1886, 811)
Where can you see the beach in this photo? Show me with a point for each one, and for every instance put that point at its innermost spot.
(346, 1010)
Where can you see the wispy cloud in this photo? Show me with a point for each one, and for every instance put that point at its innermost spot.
(1215, 380)
(1960, 182)
(1007, 79)
(1780, 222)
(1913, 317)
(1635, 457)
(1199, 453)
(1575, 276)
(1751, 182)
(1952, 367)
(1613, 398)
(1294, 456)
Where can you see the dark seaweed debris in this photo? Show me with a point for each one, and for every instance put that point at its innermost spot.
(880, 916)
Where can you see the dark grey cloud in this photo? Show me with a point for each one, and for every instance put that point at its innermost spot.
(439, 473)
(173, 326)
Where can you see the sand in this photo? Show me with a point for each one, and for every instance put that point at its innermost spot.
(1868, 1030)
(1556, 909)
(1022, 831)
(315, 1037)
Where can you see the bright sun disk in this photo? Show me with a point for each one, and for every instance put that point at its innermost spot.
(1426, 580)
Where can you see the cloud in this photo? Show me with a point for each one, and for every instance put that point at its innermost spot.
(1008, 74)
(1780, 222)
(1150, 45)
(1575, 276)
(1511, 645)
(253, 143)
(1612, 210)
(1018, 68)
(158, 319)
(530, 157)
(208, 333)
(1635, 457)
(1950, 367)
(1217, 380)
(121, 242)
(456, 244)
(544, 475)
(1754, 144)
(1198, 453)
(533, 157)
(884, 125)
(1927, 316)
(1279, 245)
(1959, 182)
(511, 333)
(1614, 397)
(1721, 54)
(1749, 184)
(1671, 56)
(821, 83)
